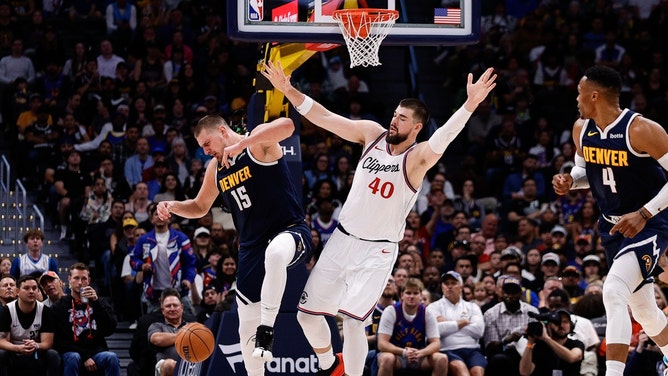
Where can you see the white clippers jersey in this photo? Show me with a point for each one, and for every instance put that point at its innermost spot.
(19, 333)
(381, 196)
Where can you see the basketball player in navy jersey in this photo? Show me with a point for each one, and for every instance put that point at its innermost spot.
(257, 187)
(622, 158)
(356, 262)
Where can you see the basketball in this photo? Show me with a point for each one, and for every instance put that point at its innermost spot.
(194, 342)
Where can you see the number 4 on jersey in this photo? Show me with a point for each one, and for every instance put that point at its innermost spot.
(609, 179)
(385, 189)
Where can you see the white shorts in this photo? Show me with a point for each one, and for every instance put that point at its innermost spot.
(349, 277)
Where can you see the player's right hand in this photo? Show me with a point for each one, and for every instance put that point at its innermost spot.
(562, 183)
(163, 210)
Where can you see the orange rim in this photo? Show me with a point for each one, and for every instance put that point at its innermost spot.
(356, 14)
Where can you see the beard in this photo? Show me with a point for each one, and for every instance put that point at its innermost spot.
(395, 139)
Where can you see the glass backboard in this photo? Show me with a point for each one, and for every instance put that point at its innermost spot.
(421, 22)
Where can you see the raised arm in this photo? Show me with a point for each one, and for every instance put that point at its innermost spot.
(263, 141)
(426, 154)
(198, 206)
(357, 131)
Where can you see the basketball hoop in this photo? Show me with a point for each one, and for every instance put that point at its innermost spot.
(363, 30)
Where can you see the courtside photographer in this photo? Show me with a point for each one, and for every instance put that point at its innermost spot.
(549, 351)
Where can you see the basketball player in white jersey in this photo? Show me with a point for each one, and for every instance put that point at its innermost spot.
(354, 267)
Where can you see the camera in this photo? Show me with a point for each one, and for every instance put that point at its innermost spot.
(535, 329)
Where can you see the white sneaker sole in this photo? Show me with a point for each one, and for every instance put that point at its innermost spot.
(263, 354)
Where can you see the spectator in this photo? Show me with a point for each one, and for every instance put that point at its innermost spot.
(583, 331)
(211, 297)
(72, 187)
(81, 327)
(461, 326)
(386, 299)
(549, 349)
(33, 260)
(7, 289)
(409, 343)
(16, 65)
(164, 267)
(52, 287)
(138, 163)
(163, 334)
(121, 19)
(107, 61)
(139, 203)
(505, 323)
(28, 331)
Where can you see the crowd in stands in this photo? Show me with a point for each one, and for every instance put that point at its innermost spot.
(100, 97)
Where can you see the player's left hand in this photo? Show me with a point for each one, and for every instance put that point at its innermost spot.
(629, 225)
(479, 90)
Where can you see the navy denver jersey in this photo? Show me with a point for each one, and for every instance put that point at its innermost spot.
(261, 197)
(409, 333)
(613, 167)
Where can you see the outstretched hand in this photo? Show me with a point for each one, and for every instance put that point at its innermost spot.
(274, 73)
(479, 90)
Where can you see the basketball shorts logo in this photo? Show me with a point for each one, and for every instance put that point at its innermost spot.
(303, 298)
(648, 262)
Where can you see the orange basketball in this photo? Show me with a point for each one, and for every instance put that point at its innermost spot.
(194, 342)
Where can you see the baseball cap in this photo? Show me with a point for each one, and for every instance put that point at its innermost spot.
(48, 276)
(158, 107)
(511, 284)
(130, 222)
(436, 187)
(210, 98)
(591, 258)
(158, 149)
(511, 251)
(582, 239)
(202, 231)
(570, 270)
(558, 229)
(208, 287)
(335, 59)
(551, 256)
(454, 275)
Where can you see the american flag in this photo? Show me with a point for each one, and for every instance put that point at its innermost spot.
(448, 16)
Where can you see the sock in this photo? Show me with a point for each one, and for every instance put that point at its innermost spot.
(326, 359)
(614, 368)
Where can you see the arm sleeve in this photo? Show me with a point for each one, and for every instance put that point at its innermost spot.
(444, 135)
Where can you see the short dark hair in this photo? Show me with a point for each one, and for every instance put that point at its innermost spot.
(420, 111)
(605, 77)
(170, 291)
(26, 277)
(79, 266)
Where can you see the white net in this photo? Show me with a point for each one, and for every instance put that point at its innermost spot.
(363, 30)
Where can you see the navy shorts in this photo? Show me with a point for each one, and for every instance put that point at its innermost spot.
(470, 357)
(648, 245)
(250, 272)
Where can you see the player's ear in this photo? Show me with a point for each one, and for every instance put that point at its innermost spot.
(418, 127)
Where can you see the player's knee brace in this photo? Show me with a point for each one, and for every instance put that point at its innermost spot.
(315, 329)
(616, 299)
(646, 312)
(280, 251)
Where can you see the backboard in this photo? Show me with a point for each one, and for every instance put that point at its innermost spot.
(421, 22)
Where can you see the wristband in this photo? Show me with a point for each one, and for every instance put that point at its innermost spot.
(643, 215)
(306, 105)
(403, 353)
(529, 345)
